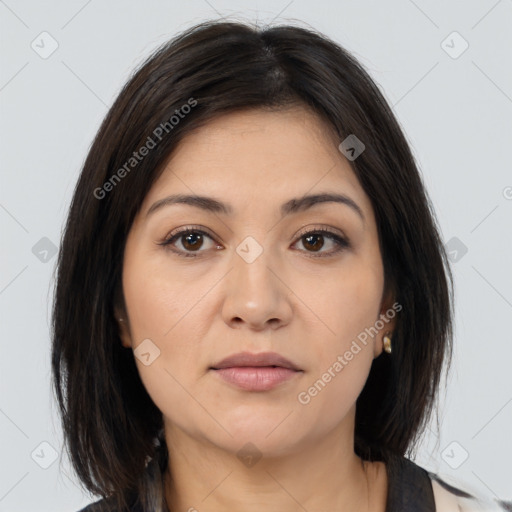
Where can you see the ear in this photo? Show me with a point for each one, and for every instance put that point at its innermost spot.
(124, 327)
(386, 322)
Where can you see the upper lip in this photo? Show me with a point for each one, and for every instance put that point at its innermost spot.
(261, 359)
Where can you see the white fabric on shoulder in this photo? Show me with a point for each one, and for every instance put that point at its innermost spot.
(447, 501)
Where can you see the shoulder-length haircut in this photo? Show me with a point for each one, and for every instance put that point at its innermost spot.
(109, 421)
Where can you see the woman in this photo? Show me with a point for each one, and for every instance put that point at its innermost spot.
(253, 303)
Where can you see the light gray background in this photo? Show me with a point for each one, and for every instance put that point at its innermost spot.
(456, 113)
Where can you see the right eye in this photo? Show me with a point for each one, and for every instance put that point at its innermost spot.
(191, 240)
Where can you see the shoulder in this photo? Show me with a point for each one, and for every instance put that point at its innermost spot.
(450, 496)
(103, 505)
(106, 505)
(93, 507)
(412, 487)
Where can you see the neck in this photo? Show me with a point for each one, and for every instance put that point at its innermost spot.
(325, 475)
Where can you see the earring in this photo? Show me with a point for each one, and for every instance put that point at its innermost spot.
(387, 342)
(121, 320)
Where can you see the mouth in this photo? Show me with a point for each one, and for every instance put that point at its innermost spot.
(256, 378)
(256, 372)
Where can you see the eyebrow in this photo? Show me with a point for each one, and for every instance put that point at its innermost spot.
(292, 206)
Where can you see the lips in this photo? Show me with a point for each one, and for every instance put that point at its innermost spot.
(256, 372)
(254, 360)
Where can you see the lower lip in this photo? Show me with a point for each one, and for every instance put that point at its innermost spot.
(256, 378)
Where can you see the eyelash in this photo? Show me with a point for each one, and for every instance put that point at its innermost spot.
(341, 242)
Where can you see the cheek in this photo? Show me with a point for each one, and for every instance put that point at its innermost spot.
(172, 319)
(341, 366)
(166, 307)
(159, 296)
(348, 305)
(333, 394)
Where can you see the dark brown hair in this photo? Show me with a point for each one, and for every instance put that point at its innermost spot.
(111, 426)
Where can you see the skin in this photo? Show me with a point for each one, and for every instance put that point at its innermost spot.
(309, 309)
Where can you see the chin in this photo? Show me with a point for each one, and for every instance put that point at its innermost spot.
(256, 444)
(267, 433)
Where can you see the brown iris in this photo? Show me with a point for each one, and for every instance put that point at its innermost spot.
(192, 241)
(315, 246)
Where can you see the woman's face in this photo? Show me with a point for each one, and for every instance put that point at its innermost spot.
(248, 278)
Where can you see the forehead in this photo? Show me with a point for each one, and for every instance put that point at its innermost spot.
(259, 157)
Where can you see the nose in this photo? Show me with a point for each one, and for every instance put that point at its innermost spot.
(256, 295)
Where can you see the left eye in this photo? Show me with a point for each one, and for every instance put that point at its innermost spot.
(316, 240)
(192, 241)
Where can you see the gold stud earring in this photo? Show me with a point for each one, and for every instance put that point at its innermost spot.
(386, 340)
